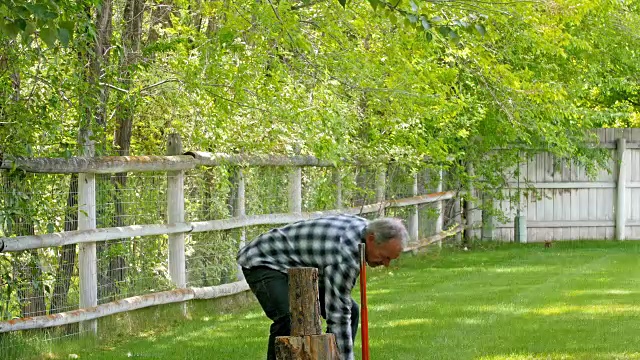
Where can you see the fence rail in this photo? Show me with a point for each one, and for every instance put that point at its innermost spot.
(186, 161)
(128, 304)
(20, 243)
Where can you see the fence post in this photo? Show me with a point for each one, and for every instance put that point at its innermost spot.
(239, 211)
(413, 218)
(175, 214)
(457, 213)
(337, 179)
(295, 190)
(381, 185)
(487, 218)
(520, 219)
(520, 223)
(439, 208)
(87, 264)
(621, 204)
(468, 205)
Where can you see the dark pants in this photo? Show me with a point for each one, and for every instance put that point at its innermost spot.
(271, 287)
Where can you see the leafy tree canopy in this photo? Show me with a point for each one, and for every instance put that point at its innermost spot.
(408, 79)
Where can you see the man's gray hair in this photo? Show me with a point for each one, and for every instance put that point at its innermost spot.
(385, 229)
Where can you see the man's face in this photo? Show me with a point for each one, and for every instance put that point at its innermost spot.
(382, 254)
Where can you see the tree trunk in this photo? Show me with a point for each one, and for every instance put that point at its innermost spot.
(92, 120)
(214, 22)
(303, 301)
(311, 347)
(197, 17)
(132, 34)
(160, 18)
(67, 257)
(28, 274)
(115, 272)
(100, 61)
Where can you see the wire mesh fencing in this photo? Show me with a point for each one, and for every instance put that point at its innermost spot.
(45, 281)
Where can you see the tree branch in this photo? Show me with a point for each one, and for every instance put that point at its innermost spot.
(240, 104)
(159, 83)
(114, 87)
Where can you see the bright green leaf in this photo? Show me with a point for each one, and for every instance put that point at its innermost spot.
(10, 29)
(444, 31)
(393, 18)
(425, 23)
(407, 23)
(30, 29)
(21, 23)
(226, 36)
(38, 10)
(22, 11)
(64, 35)
(49, 15)
(48, 35)
(69, 25)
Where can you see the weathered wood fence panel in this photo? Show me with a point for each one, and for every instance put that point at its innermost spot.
(572, 206)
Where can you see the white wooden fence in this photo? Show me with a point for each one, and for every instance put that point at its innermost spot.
(175, 164)
(571, 205)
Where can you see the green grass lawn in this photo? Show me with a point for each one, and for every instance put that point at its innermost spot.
(577, 300)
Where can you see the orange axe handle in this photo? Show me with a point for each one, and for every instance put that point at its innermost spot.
(364, 313)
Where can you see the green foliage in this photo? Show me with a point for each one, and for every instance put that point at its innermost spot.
(407, 80)
(50, 21)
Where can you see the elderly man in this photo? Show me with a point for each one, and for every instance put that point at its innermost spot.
(329, 244)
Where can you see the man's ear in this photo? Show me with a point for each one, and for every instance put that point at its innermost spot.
(370, 239)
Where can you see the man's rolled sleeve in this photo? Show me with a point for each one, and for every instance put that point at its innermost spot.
(339, 280)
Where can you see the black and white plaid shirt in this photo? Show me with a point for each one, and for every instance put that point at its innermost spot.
(329, 244)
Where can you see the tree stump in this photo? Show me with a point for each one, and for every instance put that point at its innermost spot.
(306, 341)
(309, 347)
